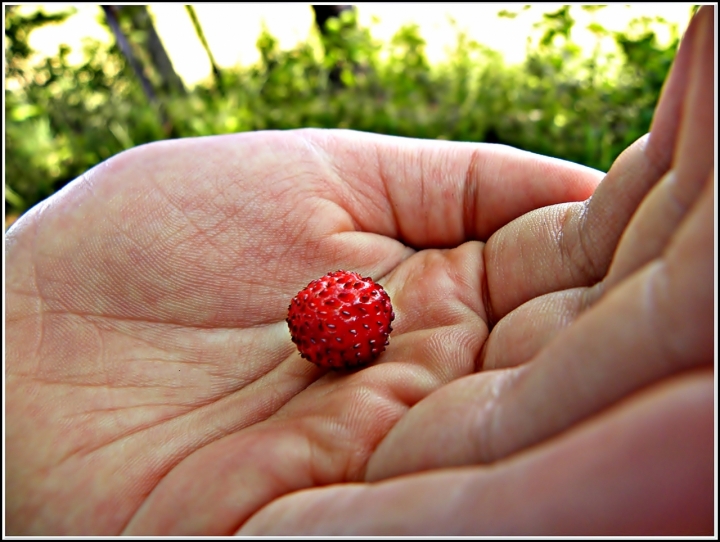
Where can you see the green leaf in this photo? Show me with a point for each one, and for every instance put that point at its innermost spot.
(23, 112)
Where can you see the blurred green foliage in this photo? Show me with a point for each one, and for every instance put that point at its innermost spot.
(61, 120)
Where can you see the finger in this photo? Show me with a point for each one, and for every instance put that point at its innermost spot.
(666, 120)
(521, 334)
(525, 331)
(656, 323)
(694, 152)
(566, 246)
(667, 204)
(439, 194)
(643, 468)
(573, 245)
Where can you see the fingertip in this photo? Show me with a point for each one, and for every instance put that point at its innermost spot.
(668, 113)
(693, 156)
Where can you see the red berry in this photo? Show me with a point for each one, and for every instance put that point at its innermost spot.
(341, 320)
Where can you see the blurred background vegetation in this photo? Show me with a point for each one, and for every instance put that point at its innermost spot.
(63, 118)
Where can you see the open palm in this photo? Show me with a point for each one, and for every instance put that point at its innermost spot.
(152, 387)
(156, 388)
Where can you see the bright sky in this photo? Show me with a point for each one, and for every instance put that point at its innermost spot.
(232, 29)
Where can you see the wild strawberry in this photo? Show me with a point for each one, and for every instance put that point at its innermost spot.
(341, 320)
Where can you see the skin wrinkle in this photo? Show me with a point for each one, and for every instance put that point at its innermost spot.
(150, 425)
(399, 235)
(222, 203)
(493, 156)
(153, 423)
(161, 227)
(469, 196)
(189, 363)
(590, 268)
(142, 497)
(200, 231)
(423, 204)
(162, 238)
(396, 232)
(185, 453)
(523, 255)
(560, 239)
(342, 430)
(277, 480)
(68, 382)
(110, 410)
(283, 220)
(104, 364)
(387, 396)
(48, 365)
(395, 408)
(496, 246)
(170, 236)
(233, 207)
(90, 316)
(605, 221)
(329, 165)
(568, 219)
(218, 230)
(246, 279)
(127, 222)
(40, 310)
(356, 195)
(655, 158)
(459, 278)
(657, 212)
(53, 279)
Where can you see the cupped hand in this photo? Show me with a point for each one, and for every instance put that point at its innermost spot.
(631, 269)
(594, 412)
(152, 387)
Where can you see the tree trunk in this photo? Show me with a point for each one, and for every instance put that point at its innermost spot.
(217, 75)
(141, 20)
(111, 15)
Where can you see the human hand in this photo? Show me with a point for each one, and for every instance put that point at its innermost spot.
(152, 387)
(632, 271)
